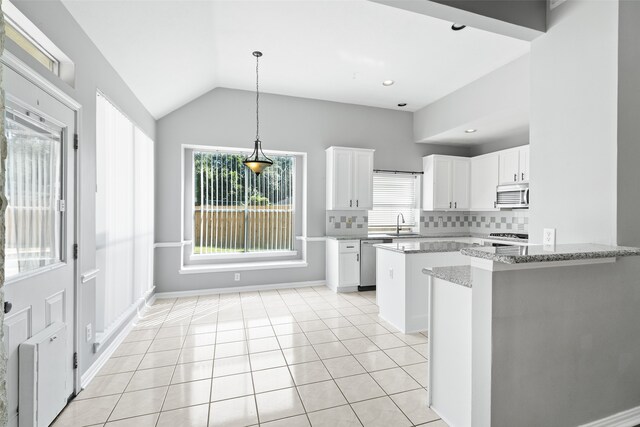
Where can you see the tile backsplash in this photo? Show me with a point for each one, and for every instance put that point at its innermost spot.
(351, 223)
(516, 221)
(346, 223)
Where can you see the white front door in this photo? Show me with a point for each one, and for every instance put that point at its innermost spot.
(40, 227)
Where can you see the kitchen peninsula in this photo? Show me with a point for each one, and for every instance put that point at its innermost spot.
(516, 330)
(402, 294)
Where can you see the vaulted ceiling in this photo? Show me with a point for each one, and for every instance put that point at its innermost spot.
(172, 51)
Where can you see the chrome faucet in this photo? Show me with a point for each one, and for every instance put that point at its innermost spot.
(398, 223)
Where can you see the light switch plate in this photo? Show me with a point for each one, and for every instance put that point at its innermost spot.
(549, 239)
(89, 332)
(236, 277)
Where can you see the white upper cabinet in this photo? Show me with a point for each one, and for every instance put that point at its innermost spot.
(484, 180)
(461, 175)
(349, 178)
(441, 186)
(524, 163)
(514, 165)
(363, 161)
(446, 183)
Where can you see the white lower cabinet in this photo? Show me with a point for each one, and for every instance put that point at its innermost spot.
(343, 265)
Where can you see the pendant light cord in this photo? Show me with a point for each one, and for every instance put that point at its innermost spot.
(257, 102)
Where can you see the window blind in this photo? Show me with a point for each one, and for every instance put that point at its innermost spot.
(124, 214)
(393, 194)
(33, 185)
(236, 211)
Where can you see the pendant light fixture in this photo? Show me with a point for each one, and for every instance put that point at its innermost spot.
(257, 161)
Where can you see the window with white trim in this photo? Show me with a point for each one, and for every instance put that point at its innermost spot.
(394, 194)
(27, 43)
(236, 212)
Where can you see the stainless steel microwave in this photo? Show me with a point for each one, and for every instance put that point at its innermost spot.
(513, 196)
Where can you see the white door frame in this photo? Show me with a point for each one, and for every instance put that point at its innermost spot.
(11, 61)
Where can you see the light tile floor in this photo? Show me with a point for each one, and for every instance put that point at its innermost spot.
(291, 357)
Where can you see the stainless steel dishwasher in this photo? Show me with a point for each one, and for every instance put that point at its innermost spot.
(368, 263)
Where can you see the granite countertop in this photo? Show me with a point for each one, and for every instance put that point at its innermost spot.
(427, 236)
(506, 239)
(537, 253)
(402, 236)
(424, 247)
(458, 274)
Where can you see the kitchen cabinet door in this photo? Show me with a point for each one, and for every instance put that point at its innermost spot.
(349, 269)
(484, 180)
(442, 170)
(340, 179)
(524, 164)
(363, 179)
(509, 166)
(460, 174)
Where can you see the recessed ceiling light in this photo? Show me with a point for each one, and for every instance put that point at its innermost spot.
(470, 130)
(387, 83)
(458, 27)
(402, 104)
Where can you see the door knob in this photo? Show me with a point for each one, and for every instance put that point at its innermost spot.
(7, 307)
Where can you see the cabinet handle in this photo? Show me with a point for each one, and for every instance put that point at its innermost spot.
(357, 202)
(523, 176)
(455, 205)
(358, 257)
(515, 177)
(449, 205)
(495, 205)
(350, 203)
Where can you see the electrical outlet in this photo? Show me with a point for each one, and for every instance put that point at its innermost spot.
(549, 237)
(349, 220)
(391, 273)
(236, 277)
(89, 332)
(440, 221)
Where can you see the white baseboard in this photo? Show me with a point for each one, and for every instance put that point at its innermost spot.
(234, 289)
(114, 343)
(628, 418)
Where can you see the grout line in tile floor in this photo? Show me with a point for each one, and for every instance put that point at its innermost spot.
(292, 304)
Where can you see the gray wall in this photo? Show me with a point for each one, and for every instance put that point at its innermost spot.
(574, 77)
(523, 19)
(92, 72)
(226, 117)
(565, 343)
(628, 124)
(527, 13)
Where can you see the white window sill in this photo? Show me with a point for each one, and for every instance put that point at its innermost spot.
(245, 257)
(241, 266)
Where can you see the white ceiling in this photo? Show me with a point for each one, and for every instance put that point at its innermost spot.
(170, 52)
